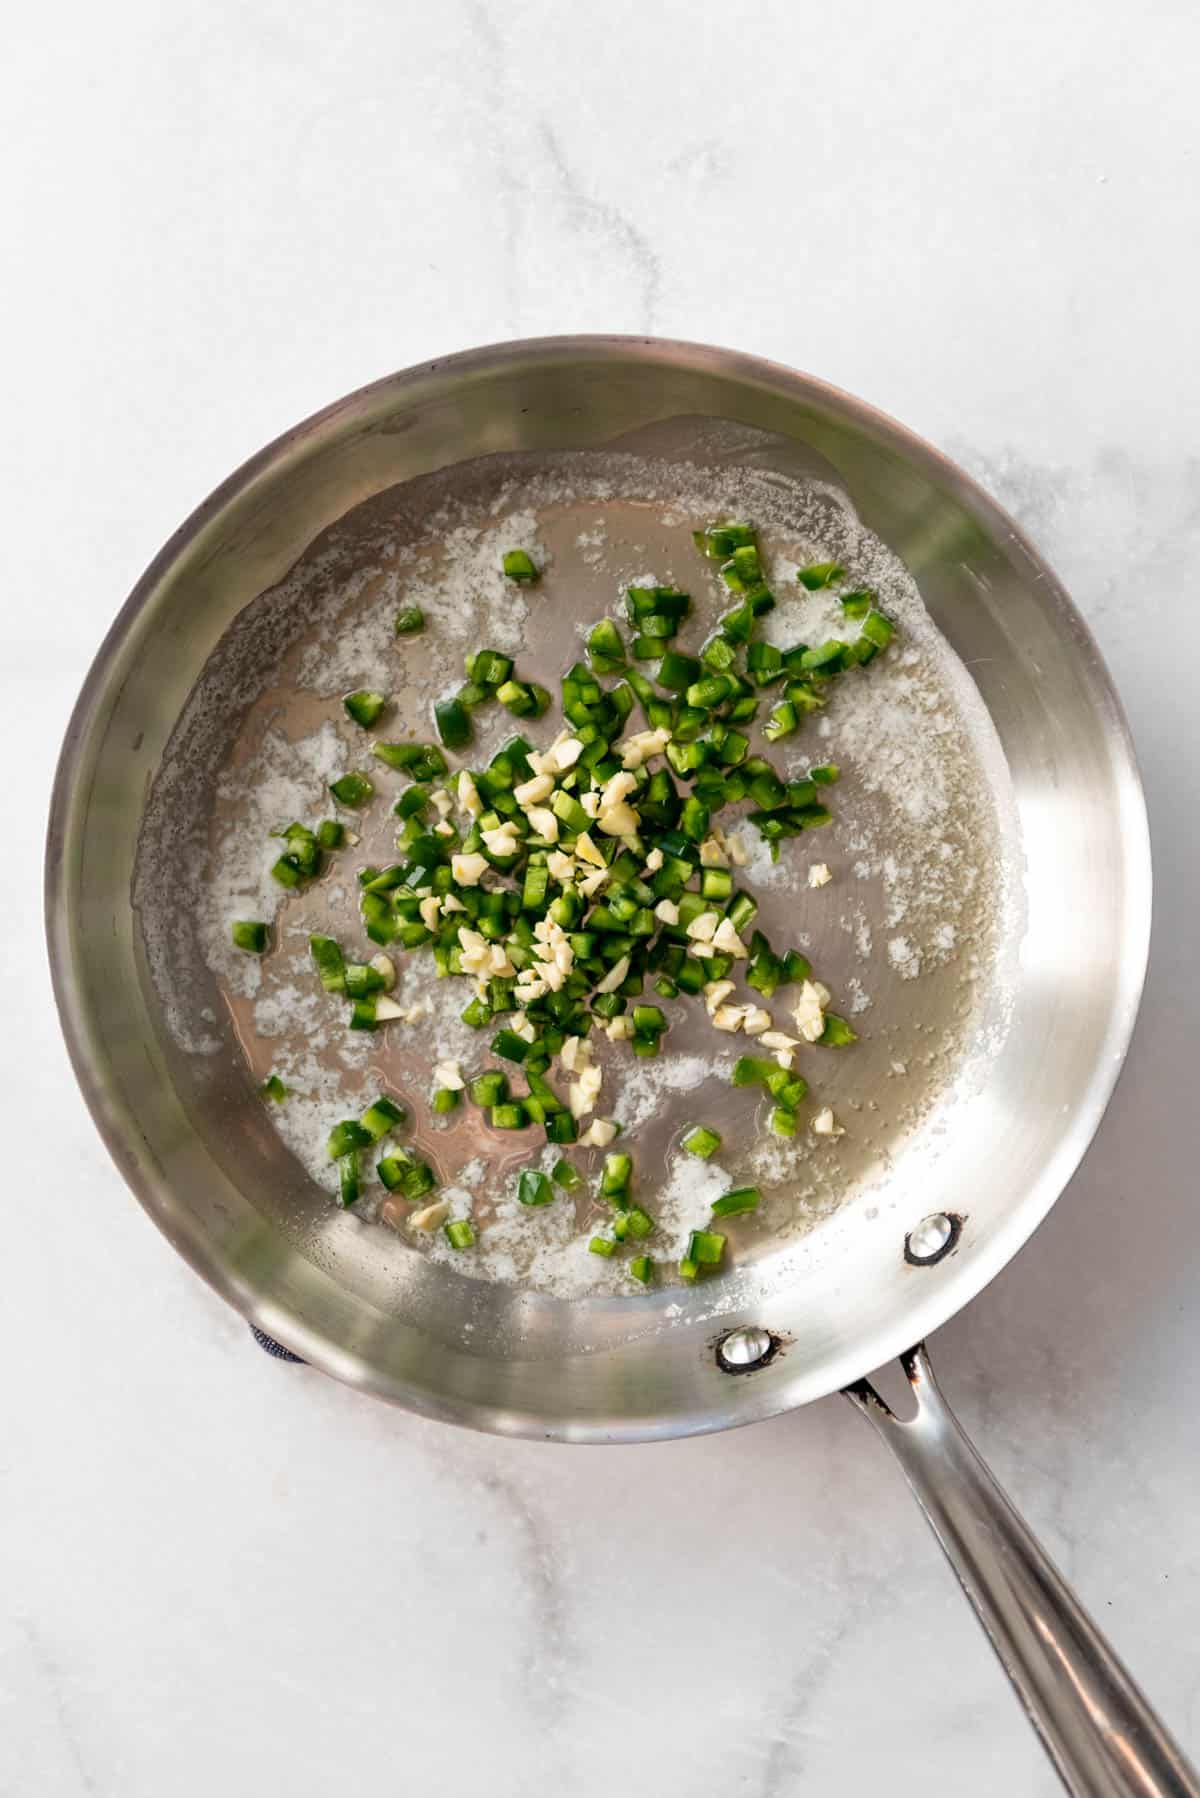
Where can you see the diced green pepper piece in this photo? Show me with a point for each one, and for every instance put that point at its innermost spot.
(878, 629)
(330, 834)
(718, 654)
(378, 918)
(837, 1033)
(273, 1088)
(751, 1070)
(460, 1234)
(602, 1245)
(857, 605)
(393, 1170)
(250, 934)
(347, 1135)
(533, 1188)
(518, 565)
(706, 1248)
(820, 574)
(719, 541)
(566, 1176)
(646, 648)
(828, 656)
(776, 1080)
(509, 1046)
(381, 1117)
(792, 1092)
(303, 851)
(643, 603)
(782, 720)
(802, 694)
(677, 671)
(765, 663)
(709, 691)
(732, 1204)
(453, 723)
(765, 972)
(349, 1181)
(796, 966)
(489, 1089)
(693, 819)
(361, 978)
(447, 1099)
(419, 1178)
(364, 706)
(423, 761)
(510, 1116)
(288, 872)
(742, 911)
(488, 668)
(412, 803)
(536, 885)
(637, 1223)
(617, 1175)
(384, 880)
(702, 1142)
(569, 812)
(745, 561)
(409, 620)
(733, 747)
(738, 623)
(605, 647)
(353, 790)
(362, 1013)
(693, 976)
(767, 790)
(519, 698)
(642, 1268)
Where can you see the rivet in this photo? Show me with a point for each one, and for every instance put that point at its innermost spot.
(932, 1238)
(745, 1349)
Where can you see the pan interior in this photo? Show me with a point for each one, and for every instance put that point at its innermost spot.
(257, 616)
(915, 935)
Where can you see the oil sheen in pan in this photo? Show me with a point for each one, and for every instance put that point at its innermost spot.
(912, 935)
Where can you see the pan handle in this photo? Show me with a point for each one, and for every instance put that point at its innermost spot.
(1094, 1723)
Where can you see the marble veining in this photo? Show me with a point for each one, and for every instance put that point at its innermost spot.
(219, 1574)
(609, 230)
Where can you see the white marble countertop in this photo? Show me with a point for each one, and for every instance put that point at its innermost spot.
(218, 1574)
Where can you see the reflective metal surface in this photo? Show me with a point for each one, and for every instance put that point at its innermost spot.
(209, 1171)
(1094, 1723)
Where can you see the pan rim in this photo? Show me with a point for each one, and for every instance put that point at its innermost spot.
(69, 801)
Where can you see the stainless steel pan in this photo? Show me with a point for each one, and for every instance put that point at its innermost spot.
(861, 1289)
